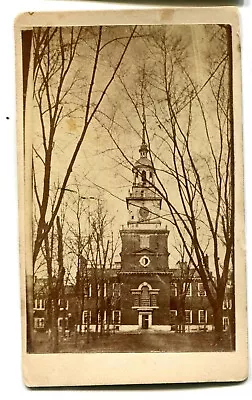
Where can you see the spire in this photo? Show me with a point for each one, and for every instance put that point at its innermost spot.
(143, 136)
(143, 148)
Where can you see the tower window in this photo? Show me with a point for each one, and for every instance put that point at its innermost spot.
(145, 297)
(142, 193)
(144, 176)
(144, 241)
(150, 175)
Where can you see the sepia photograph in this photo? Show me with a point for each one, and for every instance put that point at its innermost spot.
(130, 185)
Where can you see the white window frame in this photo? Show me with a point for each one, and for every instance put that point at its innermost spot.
(63, 308)
(105, 289)
(104, 317)
(227, 304)
(175, 287)
(205, 317)
(144, 241)
(200, 284)
(38, 325)
(61, 319)
(225, 319)
(189, 289)
(175, 314)
(113, 316)
(39, 304)
(88, 314)
(190, 313)
(89, 290)
(114, 285)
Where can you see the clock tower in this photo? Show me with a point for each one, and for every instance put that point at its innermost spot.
(145, 273)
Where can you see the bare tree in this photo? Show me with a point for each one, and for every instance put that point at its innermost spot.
(63, 88)
(100, 254)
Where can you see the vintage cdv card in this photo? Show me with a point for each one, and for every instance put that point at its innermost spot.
(131, 197)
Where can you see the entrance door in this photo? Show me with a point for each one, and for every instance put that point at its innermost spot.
(145, 321)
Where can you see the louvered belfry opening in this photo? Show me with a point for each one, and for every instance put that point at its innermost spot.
(145, 297)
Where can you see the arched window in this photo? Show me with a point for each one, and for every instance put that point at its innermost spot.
(144, 176)
(145, 297)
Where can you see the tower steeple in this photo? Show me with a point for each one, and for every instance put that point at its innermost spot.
(143, 150)
(143, 202)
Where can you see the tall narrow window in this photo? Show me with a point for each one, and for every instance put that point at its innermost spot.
(202, 316)
(201, 290)
(116, 289)
(188, 316)
(116, 317)
(173, 316)
(86, 317)
(144, 241)
(187, 287)
(145, 297)
(174, 289)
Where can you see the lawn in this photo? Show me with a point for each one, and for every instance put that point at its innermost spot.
(142, 341)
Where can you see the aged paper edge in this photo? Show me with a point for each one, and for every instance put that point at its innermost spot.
(115, 368)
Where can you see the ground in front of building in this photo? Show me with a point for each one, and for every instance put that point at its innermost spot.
(137, 342)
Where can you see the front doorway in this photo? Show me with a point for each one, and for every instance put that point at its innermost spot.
(145, 321)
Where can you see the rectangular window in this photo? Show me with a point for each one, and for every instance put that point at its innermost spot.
(116, 289)
(201, 290)
(173, 316)
(153, 299)
(105, 289)
(227, 304)
(144, 241)
(116, 317)
(187, 287)
(98, 290)
(104, 317)
(39, 323)
(202, 317)
(188, 316)
(86, 317)
(60, 322)
(225, 323)
(86, 290)
(39, 304)
(174, 289)
(63, 304)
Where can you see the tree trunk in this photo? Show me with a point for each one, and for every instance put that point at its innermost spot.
(218, 323)
(55, 336)
(29, 313)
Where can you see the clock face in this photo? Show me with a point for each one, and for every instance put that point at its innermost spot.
(144, 212)
(144, 261)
